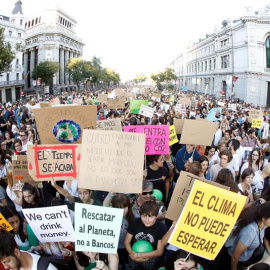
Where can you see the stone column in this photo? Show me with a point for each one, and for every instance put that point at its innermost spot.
(25, 55)
(32, 63)
(62, 66)
(66, 62)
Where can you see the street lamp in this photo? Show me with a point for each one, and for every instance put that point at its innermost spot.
(231, 35)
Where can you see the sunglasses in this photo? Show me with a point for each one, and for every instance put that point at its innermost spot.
(148, 192)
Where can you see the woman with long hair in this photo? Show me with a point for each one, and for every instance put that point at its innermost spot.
(225, 178)
(253, 162)
(212, 155)
(205, 167)
(245, 186)
(25, 240)
(30, 197)
(245, 244)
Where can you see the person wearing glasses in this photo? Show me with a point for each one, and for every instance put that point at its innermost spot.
(18, 148)
(146, 196)
(253, 162)
(23, 135)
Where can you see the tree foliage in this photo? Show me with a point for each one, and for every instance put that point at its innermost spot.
(140, 78)
(45, 71)
(6, 54)
(166, 76)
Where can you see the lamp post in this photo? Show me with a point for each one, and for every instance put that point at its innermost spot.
(232, 61)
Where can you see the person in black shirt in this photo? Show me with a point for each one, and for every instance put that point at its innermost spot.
(145, 228)
(158, 175)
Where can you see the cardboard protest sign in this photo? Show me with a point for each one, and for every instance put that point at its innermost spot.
(256, 123)
(113, 161)
(254, 114)
(173, 136)
(185, 101)
(156, 138)
(135, 105)
(64, 124)
(59, 161)
(4, 225)
(181, 192)
(172, 98)
(214, 115)
(146, 111)
(198, 132)
(44, 104)
(102, 98)
(116, 103)
(20, 170)
(55, 101)
(110, 124)
(207, 220)
(178, 124)
(50, 224)
(97, 228)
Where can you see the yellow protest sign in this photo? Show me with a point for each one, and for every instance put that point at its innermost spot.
(256, 123)
(173, 136)
(207, 220)
(4, 225)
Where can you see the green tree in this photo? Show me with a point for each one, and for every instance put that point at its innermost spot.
(79, 70)
(169, 75)
(140, 78)
(45, 71)
(6, 54)
(110, 75)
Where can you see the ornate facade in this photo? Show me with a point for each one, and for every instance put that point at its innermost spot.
(51, 36)
(235, 58)
(12, 81)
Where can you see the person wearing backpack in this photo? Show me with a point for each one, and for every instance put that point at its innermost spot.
(12, 258)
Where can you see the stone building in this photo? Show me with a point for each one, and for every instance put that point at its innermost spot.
(12, 81)
(51, 36)
(235, 59)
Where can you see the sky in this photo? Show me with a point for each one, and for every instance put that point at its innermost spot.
(142, 36)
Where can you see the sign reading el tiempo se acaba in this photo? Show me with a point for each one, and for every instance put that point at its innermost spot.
(156, 138)
(207, 220)
(97, 228)
(59, 161)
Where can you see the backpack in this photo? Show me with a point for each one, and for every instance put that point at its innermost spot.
(44, 262)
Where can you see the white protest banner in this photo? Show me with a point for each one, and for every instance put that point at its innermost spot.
(221, 104)
(110, 124)
(178, 107)
(113, 161)
(146, 111)
(265, 130)
(50, 224)
(164, 107)
(232, 107)
(97, 228)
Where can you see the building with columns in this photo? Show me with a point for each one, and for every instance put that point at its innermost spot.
(235, 59)
(51, 36)
(12, 81)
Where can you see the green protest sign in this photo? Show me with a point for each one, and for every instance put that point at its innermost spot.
(135, 105)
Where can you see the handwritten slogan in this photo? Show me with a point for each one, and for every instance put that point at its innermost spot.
(207, 220)
(58, 161)
(156, 138)
(51, 224)
(110, 124)
(113, 161)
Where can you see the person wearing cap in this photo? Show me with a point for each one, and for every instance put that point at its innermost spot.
(100, 115)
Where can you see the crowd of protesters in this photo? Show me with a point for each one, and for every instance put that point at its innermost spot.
(238, 158)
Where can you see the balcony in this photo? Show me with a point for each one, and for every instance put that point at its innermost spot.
(11, 83)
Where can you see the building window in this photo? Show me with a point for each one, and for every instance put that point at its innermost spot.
(21, 22)
(210, 62)
(201, 66)
(214, 64)
(225, 62)
(17, 77)
(19, 35)
(33, 22)
(267, 45)
(7, 77)
(205, 65)
(17, 61)
(10, 32)
(224, 43)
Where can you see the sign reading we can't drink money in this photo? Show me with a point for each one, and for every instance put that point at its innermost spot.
(156, 138)
(207, 220)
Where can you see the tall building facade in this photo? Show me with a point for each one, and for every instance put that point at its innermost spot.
(234, 60)
(51, 36)
(12, 81)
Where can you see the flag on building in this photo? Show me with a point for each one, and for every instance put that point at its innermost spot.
(235, 78)
(25, 77)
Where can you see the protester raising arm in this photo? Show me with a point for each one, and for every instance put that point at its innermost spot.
(62, 191)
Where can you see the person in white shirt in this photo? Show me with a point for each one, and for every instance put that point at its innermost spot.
(234, 145)
(23, 135)
(12, 258)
